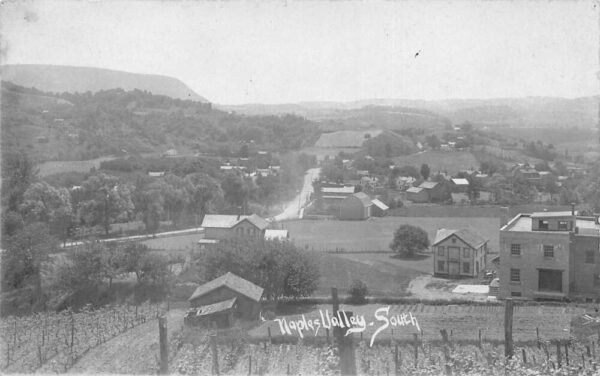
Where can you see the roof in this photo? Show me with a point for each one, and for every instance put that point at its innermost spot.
(428, 184)
(414, 190)
(276, 234)
(365, 200)
(466, 235)
(228, 221)
(551, 214)
(216, 307)
(233, 282)
(349, 189)
(379, 204)
(460, 181)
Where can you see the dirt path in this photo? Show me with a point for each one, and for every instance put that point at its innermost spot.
(418, 289)
(133, 352)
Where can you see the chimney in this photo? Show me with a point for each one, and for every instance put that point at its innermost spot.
(572, 208)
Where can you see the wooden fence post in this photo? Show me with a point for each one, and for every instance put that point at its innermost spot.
(508, 323)
(215, 354)
(524, 357)
(164, 345)
(567, 353)
(558, 355)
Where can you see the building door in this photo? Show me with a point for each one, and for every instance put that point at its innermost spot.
(453, 268)
(550, 280)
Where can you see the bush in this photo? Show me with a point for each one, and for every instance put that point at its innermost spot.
(358, 292)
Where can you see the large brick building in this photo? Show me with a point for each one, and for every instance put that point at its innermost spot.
(550, 255)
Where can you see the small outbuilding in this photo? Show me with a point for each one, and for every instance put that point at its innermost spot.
(229, 286)
(417, 194)
(356, 207)
(379, 209)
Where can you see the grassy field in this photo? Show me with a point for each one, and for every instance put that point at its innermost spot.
(345, 139)
(452, 162)
(463, 321)
(175, 242)
(55, 167)
(375, 234)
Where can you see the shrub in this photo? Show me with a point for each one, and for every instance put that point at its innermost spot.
(358, 292)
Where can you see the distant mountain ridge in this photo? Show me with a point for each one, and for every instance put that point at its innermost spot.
(61, 78)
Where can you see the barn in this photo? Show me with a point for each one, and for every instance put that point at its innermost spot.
(229, 286)
(417, 194)
(356, 207)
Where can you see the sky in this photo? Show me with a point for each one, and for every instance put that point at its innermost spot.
(238, 52)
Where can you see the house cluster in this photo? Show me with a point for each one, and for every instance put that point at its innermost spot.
(550, 255)
(243, 165)
(221, 226)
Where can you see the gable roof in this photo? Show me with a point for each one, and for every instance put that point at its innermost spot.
(233, 282)
(276, 234)
(428, 184)
(216, 307)
(229, 221)
(472, 239)
(364, 199)
(349, 189)
(379, 204)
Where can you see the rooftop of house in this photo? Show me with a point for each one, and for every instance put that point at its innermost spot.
(233, 282)
(471, 238)
(524, 223)
(349, 189)
(428, 184)
(460, 181)
(228, 221)
(276, 234)
(414, 189)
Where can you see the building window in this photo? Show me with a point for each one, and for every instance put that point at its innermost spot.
(515, 249)
(466, 267)
(563, 225)
(441, 266)
(466, 252)
(440, 251)
(515, 293)
(543, 225)
(515, 275)
(589, 257)
(453, 240)
(549, 251)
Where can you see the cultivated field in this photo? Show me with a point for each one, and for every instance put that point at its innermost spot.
(345, 139)
(55, 167)
(451, 162)
(375, 234)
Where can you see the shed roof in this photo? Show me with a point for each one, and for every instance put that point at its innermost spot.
(414, 189)
(349, 189)
(233, 282)
(216, 307)
(379, 204)
(466, 235)
(551, 214)
(428, 184)
(276, 234)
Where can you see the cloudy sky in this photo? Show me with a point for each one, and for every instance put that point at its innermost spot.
(277, 52)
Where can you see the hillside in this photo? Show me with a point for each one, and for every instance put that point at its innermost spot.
(75, 127)
(60, 79)
(526, 112)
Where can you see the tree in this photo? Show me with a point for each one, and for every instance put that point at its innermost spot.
(45, 203)
(106, 201)
(18, 172)
(425, 171)
(358, 292)
(408, 240)
(433, 141)
(280, 268)
(234, 189)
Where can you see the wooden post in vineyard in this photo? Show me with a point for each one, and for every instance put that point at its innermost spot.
(347, 361)
(396, 366)
(415, 335)
(250, 365)
(215, 354)
(164, 349)
(537, 334)
(508, 324)
(479, 344)
(558, 354)
(72, 332)
(524, 357)
(567, 353)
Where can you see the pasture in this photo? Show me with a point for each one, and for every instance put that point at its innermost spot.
(451, 162)
(345, 139)
(375, 234)
(56, 167)
(174, 243)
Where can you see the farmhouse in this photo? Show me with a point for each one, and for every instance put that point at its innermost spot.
(228, 296)
(417, 194)
(460, 185)
(550, 255)
(356, 207)
(217, 226)
(379, 209)
(459, 253)
(434, 190)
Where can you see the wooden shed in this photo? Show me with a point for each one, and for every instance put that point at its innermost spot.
(227, 287)
(379, 209)
(356, 207)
